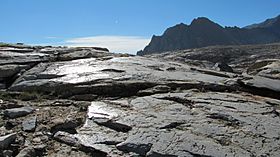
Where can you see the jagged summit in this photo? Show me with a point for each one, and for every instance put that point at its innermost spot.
(203, 32)
(201, 20)
(204, 23)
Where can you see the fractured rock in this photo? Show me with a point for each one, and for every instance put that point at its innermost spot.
(74, 141)
(154, 90)
(102, 115)
(112, 124)
(215, 124)
(68, 124)
(67, 138)
(139, 148)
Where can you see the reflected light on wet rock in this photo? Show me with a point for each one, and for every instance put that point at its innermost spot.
(79, 71)
(100, 110)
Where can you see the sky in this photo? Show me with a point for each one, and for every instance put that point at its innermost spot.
(124, 26)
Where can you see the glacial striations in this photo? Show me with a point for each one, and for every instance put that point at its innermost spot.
(203, 32)
(59, 101)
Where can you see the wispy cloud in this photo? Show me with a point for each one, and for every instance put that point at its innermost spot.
(51, 37)
(122, 44)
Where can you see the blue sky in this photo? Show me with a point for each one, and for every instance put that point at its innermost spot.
(120, 25)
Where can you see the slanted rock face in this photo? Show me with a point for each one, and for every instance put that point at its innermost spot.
(127, 76)
(117, 76)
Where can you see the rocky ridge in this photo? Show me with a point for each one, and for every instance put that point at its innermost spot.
(59, 101)
(203, 32)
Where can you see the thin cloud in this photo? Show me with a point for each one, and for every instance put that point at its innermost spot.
(122, 44)
(51, 37)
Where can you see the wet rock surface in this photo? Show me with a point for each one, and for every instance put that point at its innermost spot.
(88, 102)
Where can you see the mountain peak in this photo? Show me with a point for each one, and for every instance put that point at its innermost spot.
(201, 20)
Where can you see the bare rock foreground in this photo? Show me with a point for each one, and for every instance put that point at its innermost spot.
(58, 101)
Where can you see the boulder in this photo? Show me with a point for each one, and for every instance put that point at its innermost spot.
(68, 124)
(27, 152)
(7, 153)
(222, 67)
(6, 140)
(29, 124)
(18, 112)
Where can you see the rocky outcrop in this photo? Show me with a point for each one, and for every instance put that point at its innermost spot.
(17, 59)
(266, 68)
(107, 104)
(203, 32)
(120, 76)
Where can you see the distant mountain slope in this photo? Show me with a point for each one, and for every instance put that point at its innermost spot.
(203, 32)
(267, 23)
